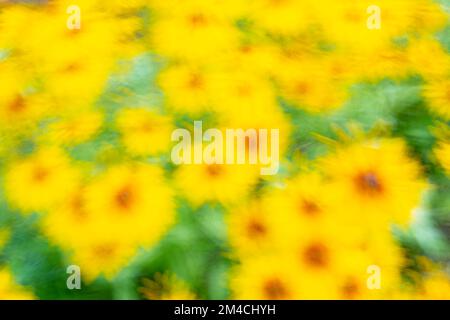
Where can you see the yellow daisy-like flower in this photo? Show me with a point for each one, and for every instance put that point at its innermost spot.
(257, 59)
(74, 129)
(347, 23)
(40, 181)
(103, 255)
(240, 91)
(227, 184)
(20, 105)
(428, 58)
(266, 278)
(69, 223)
(194, 30)
(437, 93)
(317, 255)
(435, 287)
(133, 202)
(308, 86)
(144, 132)
(368, 274)
(378, 178)
(10, 290)
(256, 118)
(442, 153)
(253, 229)
(426, 16)
(186, 88)
(166, 287)
(386, 62)
(304, 201)
(288, 18)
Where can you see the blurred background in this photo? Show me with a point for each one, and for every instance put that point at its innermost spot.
(91, 91)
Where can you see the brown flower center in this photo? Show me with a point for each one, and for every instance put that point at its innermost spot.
(350, 289)
(78, 208)
(40, 174)
(309, 207)
(274, 289)
(73, 67)
(214, 170)
(17, 105)
(302, 88)
(256, 229)
(316, 255)
(104, 251)
(198, 20)
(369, 183)
(125, 198)
(195, 82)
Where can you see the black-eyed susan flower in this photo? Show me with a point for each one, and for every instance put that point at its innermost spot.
(194, 30)
(41, 181)
(136, 198)
(254, 229)
(187, 88)
(378, 178)
(102, 255)
(73, 129)
(285, 18)
(166, 287)
(226, 184)
(144, 132)
(266, 278)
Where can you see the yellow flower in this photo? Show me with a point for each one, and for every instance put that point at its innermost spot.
(428, 58)
(133, 202)
(70, 223)
(288, 18)
(103, 224)
(257, 58)
(166, 287)
(435, 287)
(437, 93)
(194, 30)
(386, 62)
(361, 270)
(9, 290)
(40, 181)
(426, 16)
(105, 255)
(376, 180)
(187, 88)
(253, 229)
(20, 104)
(305, 203)
(443, 155)
(316, 255)
(144, 132)
(69, 64)
(223, 183)
(77, 81)
(308, 86)
(74, 128)
(241, 91)
(256, 118)
(346, 22)
(266, 278)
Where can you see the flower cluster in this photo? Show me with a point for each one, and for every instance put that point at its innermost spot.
(359, 92)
